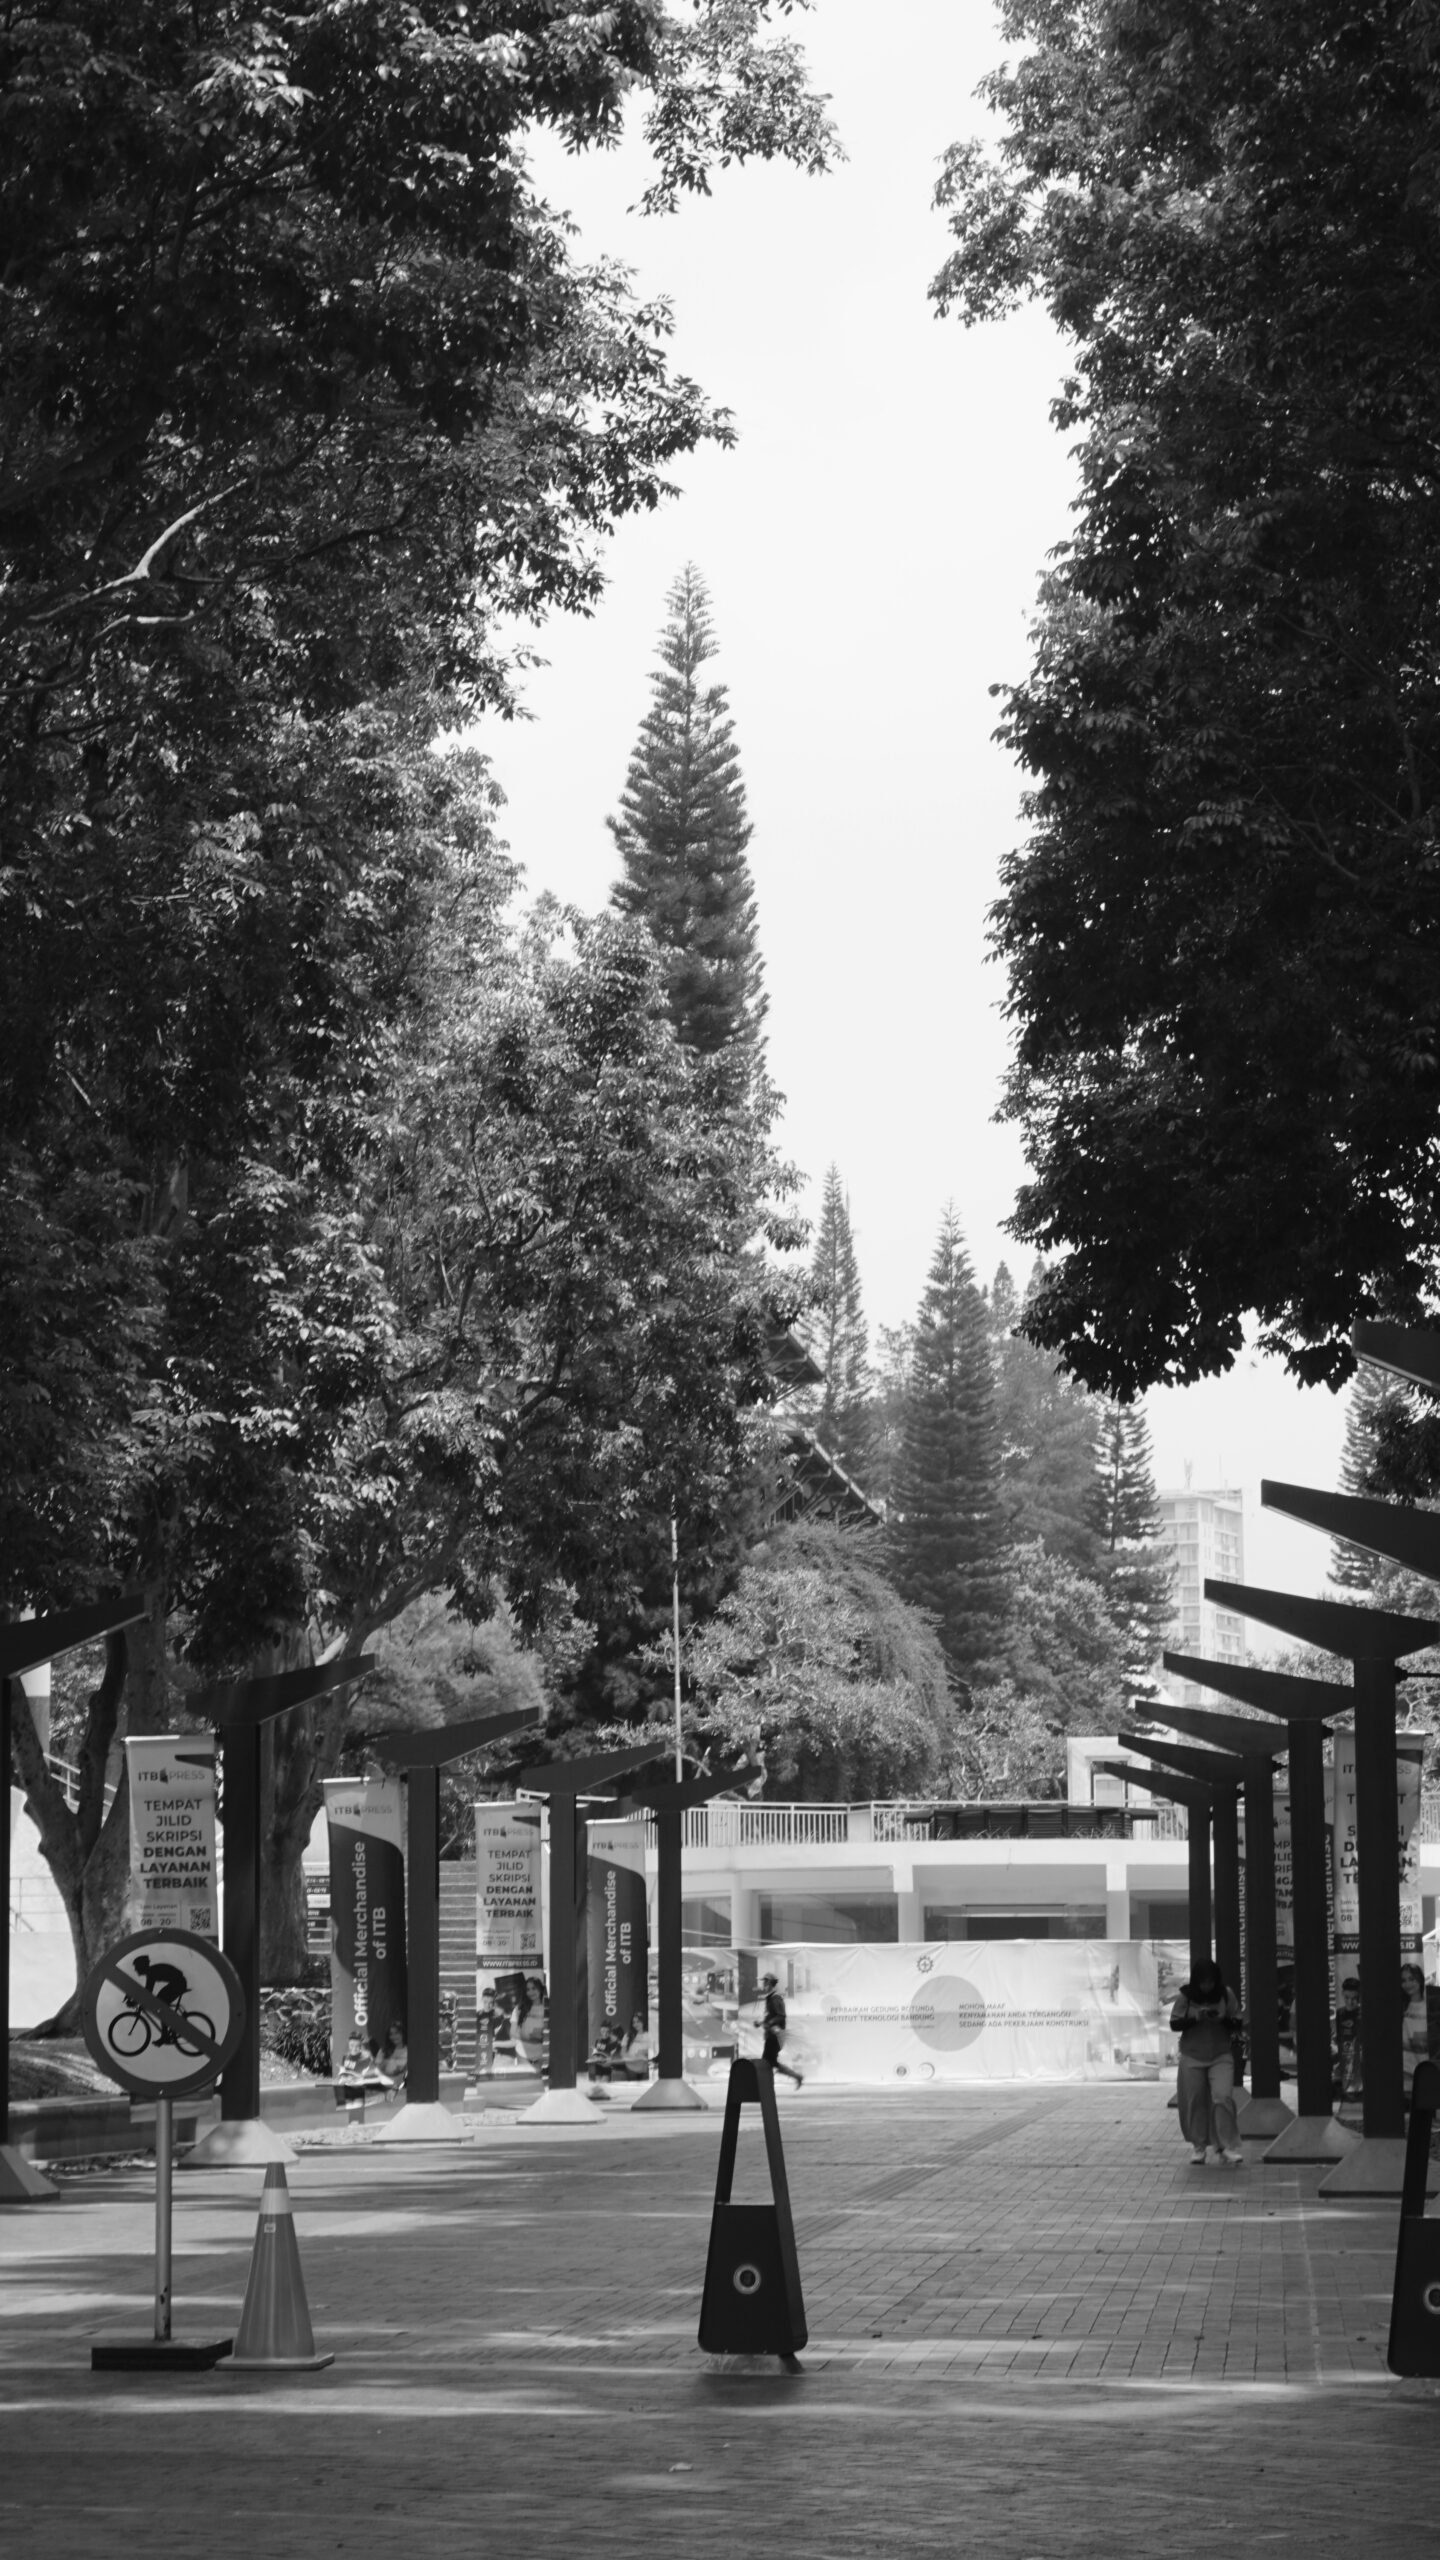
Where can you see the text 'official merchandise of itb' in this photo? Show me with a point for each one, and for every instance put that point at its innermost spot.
(172, 1833)
(364, 1817)
(617, 1931)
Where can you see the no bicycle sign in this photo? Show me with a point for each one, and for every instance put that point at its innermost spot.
(162, 2013)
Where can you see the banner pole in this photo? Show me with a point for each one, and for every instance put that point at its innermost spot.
(422, 1951)
(675, 1618)
(1381, 2006)
(240, 1905)
(164, 2162)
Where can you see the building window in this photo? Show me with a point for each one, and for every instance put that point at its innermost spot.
(705, 1921)
(829, 1920)
(1078, 1920)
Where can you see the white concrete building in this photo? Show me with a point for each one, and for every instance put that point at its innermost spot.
(1204, 1528)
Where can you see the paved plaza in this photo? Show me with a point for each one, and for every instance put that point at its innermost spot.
(1035, 2329)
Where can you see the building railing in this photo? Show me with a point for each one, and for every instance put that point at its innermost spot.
(746, 1824)
(770, 1826)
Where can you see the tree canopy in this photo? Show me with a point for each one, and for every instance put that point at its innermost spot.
(813, 1665)
(1221, 929)
(301, 384)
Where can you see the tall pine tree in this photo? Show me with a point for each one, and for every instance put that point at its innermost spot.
(841, 1415)
(948, 1535)
(682, 833)
(1372, 1397)
(1048, 1427)
(1136, 1566)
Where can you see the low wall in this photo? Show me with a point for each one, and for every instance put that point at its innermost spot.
(94, 2128)
(88, 2128)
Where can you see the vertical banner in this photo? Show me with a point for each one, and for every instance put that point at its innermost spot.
(617, 1930)
(510, 1996)
(172, 1833)
(1345, 1933)
(365, 1820)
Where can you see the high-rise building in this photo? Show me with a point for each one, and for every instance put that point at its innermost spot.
(1205, 1530)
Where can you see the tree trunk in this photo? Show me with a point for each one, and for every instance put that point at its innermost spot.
(88, 1850)
(302, 1749)
(290, 1799)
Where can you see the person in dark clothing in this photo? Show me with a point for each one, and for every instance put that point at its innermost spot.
(1205, 2014)
(773, 2023)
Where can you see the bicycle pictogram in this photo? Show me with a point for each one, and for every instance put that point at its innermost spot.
(132, 2030)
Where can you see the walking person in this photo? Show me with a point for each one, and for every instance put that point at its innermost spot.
(1205, 2015)
(773, 2023)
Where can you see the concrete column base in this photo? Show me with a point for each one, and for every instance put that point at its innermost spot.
(1260, 2119)
(672, 2097)
(20, 2181)
(239, 2142)
(1310, 2138)
(561, 2106)
(1375, 2167)
(422, 2120)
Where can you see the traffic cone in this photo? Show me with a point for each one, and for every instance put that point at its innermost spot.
(275, 2333)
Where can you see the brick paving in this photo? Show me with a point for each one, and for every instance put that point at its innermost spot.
(1035, 2329)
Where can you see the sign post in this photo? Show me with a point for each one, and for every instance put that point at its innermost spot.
(422, 1755)
(162, 2013)
(24, 1645)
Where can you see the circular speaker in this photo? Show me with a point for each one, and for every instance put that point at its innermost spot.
(1431, 2299)
(747, 2279)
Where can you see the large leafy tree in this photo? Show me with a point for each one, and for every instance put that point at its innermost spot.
(1222, 928)
(300, 382)
(1064, 1672)
(682, 833)
(814, 1667)
(539, 1321)
(947, 1532)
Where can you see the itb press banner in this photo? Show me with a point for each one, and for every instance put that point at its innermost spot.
(509, 1937)
(1345, 1943)
(617, 1937)
(172, 1833)
(364, 1817)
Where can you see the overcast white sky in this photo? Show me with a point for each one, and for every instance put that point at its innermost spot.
(871, 548)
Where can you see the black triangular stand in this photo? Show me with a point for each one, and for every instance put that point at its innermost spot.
(752, 2304)
(1415, 2305)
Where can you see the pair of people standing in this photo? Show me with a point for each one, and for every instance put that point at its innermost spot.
(1205, 2016)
